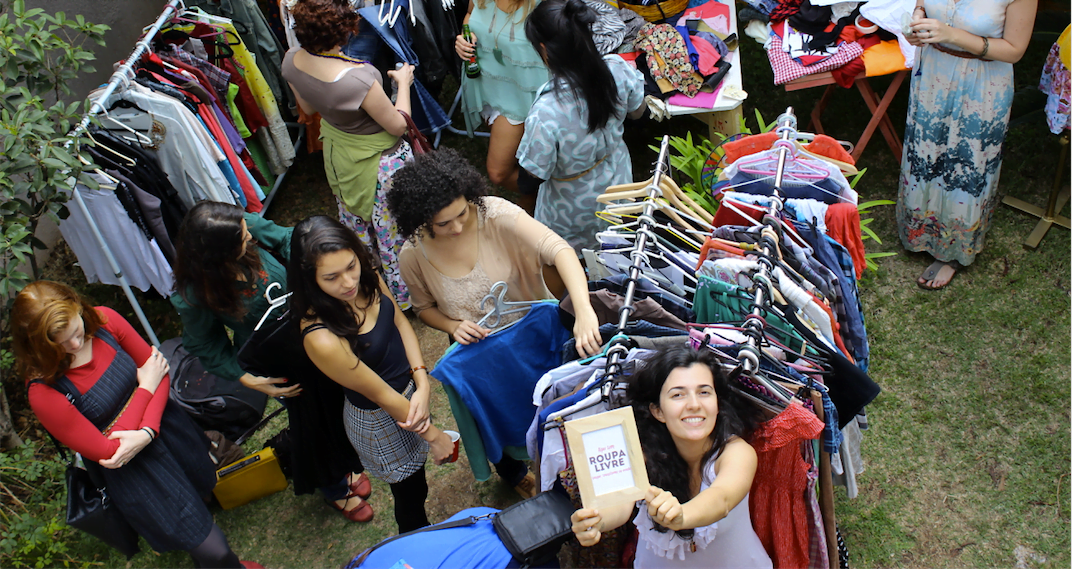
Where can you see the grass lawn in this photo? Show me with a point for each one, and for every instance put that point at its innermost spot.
(967, 458)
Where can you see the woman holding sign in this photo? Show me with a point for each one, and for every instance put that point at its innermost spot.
(691, 426)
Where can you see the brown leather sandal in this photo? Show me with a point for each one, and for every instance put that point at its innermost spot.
(360, 487)
(362, 513)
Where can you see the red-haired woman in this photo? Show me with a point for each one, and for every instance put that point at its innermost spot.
(360, 126)
(100, 389)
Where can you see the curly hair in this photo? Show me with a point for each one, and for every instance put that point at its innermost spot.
(323, 25)
(207, 262)
(427, 184)
(42, 310)
(736, 416)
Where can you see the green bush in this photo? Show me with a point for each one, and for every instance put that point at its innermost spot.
(32, 507)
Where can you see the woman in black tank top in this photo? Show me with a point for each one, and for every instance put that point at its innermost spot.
(354, 332)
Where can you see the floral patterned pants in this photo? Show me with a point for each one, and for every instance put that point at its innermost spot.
(380, 234)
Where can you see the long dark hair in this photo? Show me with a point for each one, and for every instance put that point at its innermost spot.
(313, 238)
(207, 266)
(736, 416)
(563, 29)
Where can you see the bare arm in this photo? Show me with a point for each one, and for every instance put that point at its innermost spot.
(417, 419)
(464, 48)
(735, 468)
(463, 331)
(378, 105)
(586, 328)
(333, 356)
(1019, 20)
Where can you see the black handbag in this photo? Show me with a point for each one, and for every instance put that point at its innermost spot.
(90, 510)
(88, 507)
(533, 530)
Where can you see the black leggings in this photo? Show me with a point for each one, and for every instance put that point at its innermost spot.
(214, 552)
(410, 495)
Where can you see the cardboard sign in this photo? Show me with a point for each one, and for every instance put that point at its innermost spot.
(607, 457)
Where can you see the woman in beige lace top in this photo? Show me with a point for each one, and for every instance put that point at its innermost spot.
(462, 241)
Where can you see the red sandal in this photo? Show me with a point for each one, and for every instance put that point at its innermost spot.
(361, 487)
(362, 513)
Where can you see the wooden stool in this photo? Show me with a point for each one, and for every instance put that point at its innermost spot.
(879, 119)
(1058, 199)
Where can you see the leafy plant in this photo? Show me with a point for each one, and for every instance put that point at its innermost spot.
(39, 54)
(689, 162)
(33, 533)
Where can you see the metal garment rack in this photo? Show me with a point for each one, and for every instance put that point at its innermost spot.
(617, 348)
(121, 78)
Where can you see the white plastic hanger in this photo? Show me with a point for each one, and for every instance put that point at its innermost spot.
(273, 303)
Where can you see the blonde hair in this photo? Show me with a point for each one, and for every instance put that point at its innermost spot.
(41, 311)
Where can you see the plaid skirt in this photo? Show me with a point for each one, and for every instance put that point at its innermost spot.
(388, 452)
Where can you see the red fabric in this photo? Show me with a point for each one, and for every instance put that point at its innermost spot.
(845, 76)
(726, 216)
(843, 225)
(786, 70)
(72, 428)
(777, 498)
(748, 145)
(246, 103)
(824, 145)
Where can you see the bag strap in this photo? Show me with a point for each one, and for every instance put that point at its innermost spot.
(467, 521)
(242, 438)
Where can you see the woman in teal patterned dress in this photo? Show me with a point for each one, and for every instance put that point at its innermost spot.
(573, 148)
(511, 73)
(958, 111)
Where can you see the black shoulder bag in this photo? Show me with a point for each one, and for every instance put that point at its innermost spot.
(532, 530)
(88, 507)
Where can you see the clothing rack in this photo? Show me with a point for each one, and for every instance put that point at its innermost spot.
(121, 78)
(754, 324)
(617, 347)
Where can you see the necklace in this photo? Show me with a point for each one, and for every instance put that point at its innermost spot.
(340, 56)
(496, 52)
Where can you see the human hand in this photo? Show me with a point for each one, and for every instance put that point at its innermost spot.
(586, 332)
(929, 30)
(267, 385)
(403, 76)
(465, 49)
(587, 525)
(152, 372)
(130, 444)
(664, 508)
(468, 332)
(440, 446)
(419, 419)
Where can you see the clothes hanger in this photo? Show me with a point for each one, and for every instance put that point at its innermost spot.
(630, 251)
(617, 223)
(126, 159)
(389, 18)
(273, 303)
(500, 306)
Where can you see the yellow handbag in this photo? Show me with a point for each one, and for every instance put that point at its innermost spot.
(254, 477)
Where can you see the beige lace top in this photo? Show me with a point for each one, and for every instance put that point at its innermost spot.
(505, 254)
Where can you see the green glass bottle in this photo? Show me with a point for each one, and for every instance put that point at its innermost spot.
(472, 67)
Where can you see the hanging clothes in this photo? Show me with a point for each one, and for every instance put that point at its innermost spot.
(776, 500)
(493, 381)
(140, 260)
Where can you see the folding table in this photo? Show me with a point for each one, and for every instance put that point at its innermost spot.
(878, 106)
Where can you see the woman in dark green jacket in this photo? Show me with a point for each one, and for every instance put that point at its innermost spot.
(225, 261)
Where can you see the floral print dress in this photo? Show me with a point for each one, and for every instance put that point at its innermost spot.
(958, 112)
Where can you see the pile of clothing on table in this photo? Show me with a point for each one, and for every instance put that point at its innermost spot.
(804, 37)
(685, 57)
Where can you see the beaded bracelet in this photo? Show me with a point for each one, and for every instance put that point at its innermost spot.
(414, 370)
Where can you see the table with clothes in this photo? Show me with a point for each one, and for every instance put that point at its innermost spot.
(813, 43)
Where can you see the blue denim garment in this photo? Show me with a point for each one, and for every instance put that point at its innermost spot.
(365, 44)
(427, 113)
(834, 256)
(824, 190)
(831, 433)
(763, 6)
